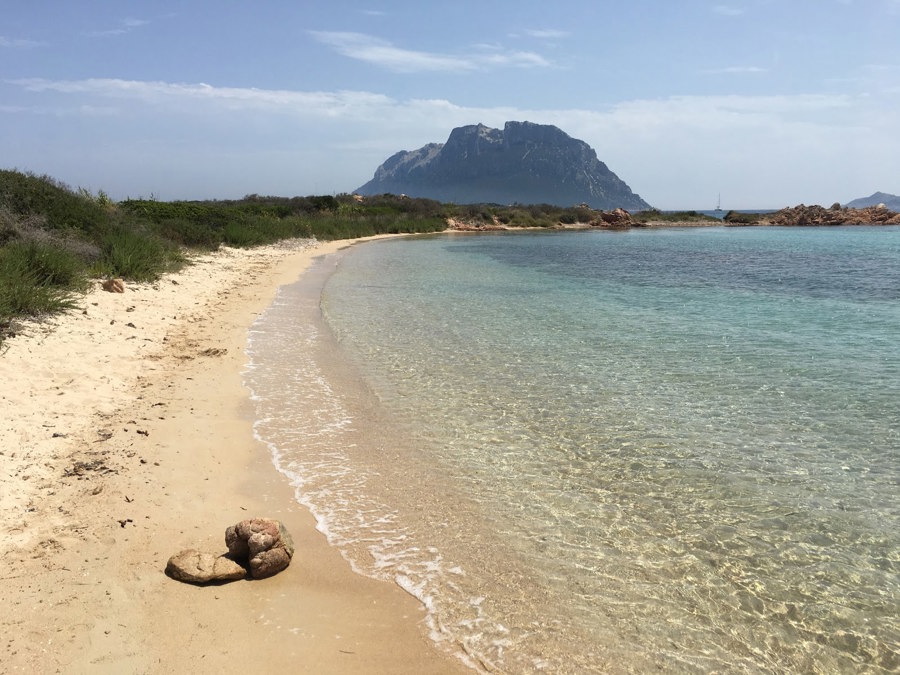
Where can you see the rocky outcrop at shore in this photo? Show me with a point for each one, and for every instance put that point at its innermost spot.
(615, 219)
(802, 215)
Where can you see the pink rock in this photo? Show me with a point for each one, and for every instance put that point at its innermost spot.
(263, 542)
(113, 285)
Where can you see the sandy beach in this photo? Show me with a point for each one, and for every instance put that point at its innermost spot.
(127, 437)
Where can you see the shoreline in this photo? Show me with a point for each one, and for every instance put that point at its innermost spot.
(128, 437)
(466, 389)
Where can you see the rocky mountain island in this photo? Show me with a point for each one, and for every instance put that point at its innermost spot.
(524, 163)
(890, 201)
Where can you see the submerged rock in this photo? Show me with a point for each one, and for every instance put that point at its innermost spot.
(263, 542)
(195, 567)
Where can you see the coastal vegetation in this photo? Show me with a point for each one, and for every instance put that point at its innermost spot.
(656, 216)
(54, 239)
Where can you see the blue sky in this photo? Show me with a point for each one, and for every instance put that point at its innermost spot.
(769, 102)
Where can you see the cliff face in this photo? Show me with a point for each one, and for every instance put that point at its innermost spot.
(523, 163)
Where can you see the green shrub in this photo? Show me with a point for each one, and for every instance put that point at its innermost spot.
(263, 229)
(243, 235)
(741, 218)
(52, 264)
(655, 215)
(324, 203)
(22, 295)
(190, 233)
(132, 254)
(26, 194)
(36, 279)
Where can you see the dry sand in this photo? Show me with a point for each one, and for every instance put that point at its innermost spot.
(125, 436)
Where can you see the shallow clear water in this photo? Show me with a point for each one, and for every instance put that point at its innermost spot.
(608, 452)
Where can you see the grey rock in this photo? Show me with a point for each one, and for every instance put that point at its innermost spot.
(523, 163)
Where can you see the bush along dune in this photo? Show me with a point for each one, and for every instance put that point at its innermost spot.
(54, 239)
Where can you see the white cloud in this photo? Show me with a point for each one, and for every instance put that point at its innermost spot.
(727, 10)
(384, 54)
(883, 79)
(125, 26)
(163, 93)
(547, 34)
(15, 43)
(736, 70)
(773, 150)
(517, 59)
(639, 118)
(85, 110)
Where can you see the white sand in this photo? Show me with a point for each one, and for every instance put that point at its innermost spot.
(125, 436)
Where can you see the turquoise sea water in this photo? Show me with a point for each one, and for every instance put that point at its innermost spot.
(672, 450)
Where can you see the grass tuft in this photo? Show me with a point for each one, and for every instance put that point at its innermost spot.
(38, 279)
(133, 254)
